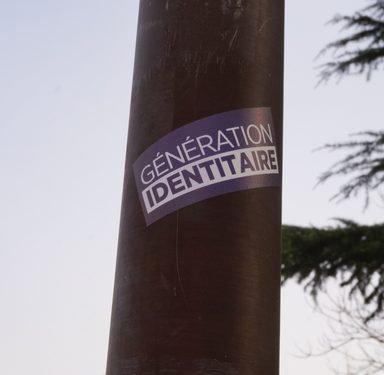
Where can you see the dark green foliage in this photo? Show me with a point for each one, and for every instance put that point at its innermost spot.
(350, 253)
(362, 51)
(364, 165)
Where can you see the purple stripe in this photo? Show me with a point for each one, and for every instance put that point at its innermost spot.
(234, 133)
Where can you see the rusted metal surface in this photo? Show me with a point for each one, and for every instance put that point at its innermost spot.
(197, 292)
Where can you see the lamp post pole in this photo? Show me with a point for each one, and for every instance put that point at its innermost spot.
(198, 267)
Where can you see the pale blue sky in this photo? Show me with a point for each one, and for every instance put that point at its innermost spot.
(65, 82)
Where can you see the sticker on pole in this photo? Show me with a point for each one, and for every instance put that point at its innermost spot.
(219, 154)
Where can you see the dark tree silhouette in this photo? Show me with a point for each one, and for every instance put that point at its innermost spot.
(364, 165)
(362, 50)
(356, 252)
(349, 253)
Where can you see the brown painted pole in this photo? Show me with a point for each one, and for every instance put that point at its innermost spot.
(197, 290)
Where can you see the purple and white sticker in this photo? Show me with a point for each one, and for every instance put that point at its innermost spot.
(219, 154)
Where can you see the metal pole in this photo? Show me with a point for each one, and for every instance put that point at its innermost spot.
(198, 268)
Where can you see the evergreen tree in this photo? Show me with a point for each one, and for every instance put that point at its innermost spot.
(349, 252)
